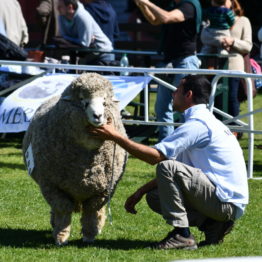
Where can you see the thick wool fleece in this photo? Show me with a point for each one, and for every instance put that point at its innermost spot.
(71, 167)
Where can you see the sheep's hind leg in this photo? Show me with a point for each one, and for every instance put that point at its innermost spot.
(60, 216)
(92, 222)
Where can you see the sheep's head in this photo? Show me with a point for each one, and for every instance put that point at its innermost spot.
(93, 92)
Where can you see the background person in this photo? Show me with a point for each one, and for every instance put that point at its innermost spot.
(239, 44)
(105, 15)
(14, 22)
(220, 19)
(181, 23)
(201, 174)
(48, 14)
(76, 25)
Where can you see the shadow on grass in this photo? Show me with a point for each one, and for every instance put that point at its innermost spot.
(4, 144)
(11, 141)
(12, 166)
(21, 238)
(115, 244)
(24, 238)
(257, 166)
(18, 154)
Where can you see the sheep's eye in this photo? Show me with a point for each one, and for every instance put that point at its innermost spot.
(85, 104)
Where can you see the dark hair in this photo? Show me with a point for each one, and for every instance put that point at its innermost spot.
(200, 87)
(236, 7)
(72, 2)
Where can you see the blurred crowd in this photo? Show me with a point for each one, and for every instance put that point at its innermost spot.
(105, 15)
(220, 28)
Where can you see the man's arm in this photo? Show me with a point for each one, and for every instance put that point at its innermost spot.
(145, 153)
(150, 17)
(157, 16)
(137, 196)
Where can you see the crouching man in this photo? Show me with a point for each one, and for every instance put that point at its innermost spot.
(201, 177)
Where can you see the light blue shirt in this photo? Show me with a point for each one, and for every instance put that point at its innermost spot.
(206, 143)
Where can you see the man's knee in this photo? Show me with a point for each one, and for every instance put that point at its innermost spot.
(166, 166)
(171, 168)
(175, 171)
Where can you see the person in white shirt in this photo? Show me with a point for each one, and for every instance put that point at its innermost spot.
(14, 22)
(201, 177)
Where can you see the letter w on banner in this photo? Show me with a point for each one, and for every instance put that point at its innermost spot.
(17, 109)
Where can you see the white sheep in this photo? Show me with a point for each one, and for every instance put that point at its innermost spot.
(75, 171)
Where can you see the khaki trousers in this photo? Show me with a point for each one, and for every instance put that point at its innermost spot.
(186, 197)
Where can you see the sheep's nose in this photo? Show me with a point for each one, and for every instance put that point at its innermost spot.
(97, 117)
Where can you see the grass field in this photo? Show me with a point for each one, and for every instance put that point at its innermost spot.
(25, 233)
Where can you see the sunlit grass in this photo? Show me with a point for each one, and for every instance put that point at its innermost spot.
(25, 232)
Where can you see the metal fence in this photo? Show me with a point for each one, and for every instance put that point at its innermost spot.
(218, 74)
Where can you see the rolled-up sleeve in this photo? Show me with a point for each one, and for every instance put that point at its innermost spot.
(192, 134)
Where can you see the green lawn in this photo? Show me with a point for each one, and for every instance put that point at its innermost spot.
(24, 218)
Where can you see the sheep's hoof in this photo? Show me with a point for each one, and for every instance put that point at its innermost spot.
(61, 244)
(61, 239)
(88, 240)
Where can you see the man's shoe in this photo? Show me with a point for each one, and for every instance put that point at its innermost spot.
(215, 231)
(175, 241)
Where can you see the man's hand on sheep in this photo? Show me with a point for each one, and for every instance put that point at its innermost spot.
(104, 132)
(145, 153)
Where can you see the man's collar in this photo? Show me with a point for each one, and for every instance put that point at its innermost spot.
(188, 112)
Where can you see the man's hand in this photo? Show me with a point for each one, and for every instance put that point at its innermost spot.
(132, 201)
(137, 196)
(105, 132)
(145, 153)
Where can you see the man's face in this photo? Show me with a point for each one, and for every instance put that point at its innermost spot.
(66, 10)
(179, 98)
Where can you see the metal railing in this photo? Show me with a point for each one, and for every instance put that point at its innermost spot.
(243, 127)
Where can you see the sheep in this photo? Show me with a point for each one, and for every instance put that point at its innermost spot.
(75, 171)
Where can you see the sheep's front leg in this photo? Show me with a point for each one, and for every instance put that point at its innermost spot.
(61, 210)
(62, 226)
(92, 220)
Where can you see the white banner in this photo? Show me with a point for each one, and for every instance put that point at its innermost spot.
(17, 109)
